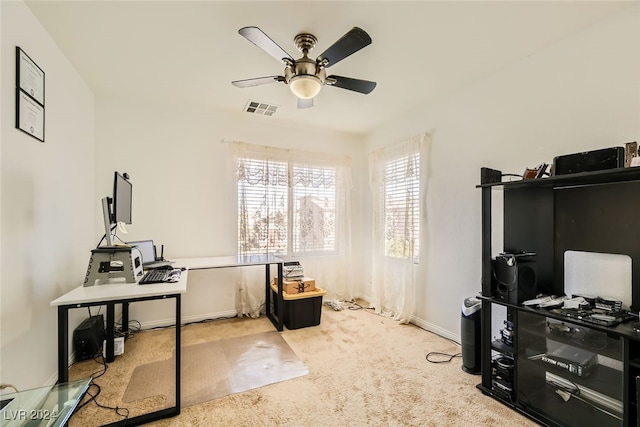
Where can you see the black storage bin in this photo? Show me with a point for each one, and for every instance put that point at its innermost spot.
(300, 310)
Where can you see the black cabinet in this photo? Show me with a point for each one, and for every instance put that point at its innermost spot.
(569, 373)
(555, 371)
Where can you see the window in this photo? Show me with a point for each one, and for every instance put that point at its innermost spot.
(286, 208)
(314, 211)
(263, 200)
(398, 180)
(401, 207)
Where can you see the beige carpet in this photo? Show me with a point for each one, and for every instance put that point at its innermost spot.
(218, 368)
(364, 370)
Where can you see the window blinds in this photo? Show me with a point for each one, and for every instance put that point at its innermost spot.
(401, 195)
(285, 208)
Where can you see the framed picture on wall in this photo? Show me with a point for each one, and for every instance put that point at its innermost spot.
(29, 77)
(29, 115)
(29, 96)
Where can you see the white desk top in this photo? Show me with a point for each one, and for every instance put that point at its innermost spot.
(226, 261)
(121, 291)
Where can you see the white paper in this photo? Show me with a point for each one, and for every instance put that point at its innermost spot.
(31, 116)
(31, 78)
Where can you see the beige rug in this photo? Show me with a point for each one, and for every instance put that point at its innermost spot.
(218, 368)
(365, 370)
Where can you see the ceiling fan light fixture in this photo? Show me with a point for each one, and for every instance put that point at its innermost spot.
(305, 86)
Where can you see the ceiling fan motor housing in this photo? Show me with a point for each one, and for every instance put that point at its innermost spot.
(305, 76)
(305, 42)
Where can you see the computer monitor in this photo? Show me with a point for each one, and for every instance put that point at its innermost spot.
(117, 209)
(122, 196)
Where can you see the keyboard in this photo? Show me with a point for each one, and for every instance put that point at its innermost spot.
(160, 276)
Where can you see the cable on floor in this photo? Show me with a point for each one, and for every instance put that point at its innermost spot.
(133, 328)
(447, 357)
(356, 306)
(123, 412)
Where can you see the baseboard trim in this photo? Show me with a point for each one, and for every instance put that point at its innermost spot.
(427, 326)
(163, 323)
(421, 323)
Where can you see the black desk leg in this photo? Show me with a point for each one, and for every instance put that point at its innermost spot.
(280, 300)
(271, 312)
(125, 317)
(275, 308)
(110, 338)
(63, 344)
(178, 351)
(166, 412)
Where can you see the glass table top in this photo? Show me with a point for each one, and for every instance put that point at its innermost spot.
(47, 406)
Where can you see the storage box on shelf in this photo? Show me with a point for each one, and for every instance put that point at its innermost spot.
(301, 310)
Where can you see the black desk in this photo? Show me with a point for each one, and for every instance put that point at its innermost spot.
(110, 295)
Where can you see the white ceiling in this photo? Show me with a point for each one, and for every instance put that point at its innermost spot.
(181, 52)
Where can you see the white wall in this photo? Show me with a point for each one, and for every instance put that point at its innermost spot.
(580, 94)
(183, 186)
(47, 192)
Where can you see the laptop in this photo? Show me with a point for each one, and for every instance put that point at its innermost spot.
(148, 252)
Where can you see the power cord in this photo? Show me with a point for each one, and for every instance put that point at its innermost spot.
(98, 355)
(3, 386)
(133, 328)
(123, 412)
(104, 236)
(99, 358)
(514, 175)
(338, 305)
(448, 357)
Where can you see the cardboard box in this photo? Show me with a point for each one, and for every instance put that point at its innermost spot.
(291, 286)
(300, 309)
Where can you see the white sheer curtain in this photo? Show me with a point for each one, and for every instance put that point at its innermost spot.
(294, 205)
(398, 181)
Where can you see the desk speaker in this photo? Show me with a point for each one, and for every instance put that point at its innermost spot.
(514, 280)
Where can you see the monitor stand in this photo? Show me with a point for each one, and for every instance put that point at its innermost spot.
(113, 262)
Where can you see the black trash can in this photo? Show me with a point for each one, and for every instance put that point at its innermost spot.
(470, 335)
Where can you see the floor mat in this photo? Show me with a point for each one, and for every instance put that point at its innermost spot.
(218, 368)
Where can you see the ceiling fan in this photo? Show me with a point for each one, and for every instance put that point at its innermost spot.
(305, 76)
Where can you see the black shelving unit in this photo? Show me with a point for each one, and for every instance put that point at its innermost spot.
(591, 212)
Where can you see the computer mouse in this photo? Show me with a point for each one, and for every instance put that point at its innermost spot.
(164, 267)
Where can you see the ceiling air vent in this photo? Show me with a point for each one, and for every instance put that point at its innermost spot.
(260, 108)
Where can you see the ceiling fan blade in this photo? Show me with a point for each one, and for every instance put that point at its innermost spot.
(356, 85)
(257, 81)
(305, 103)
(256, 36)
(350, 43)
